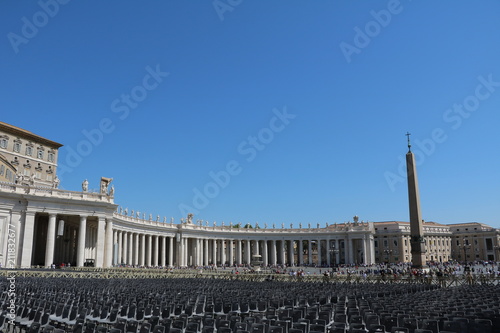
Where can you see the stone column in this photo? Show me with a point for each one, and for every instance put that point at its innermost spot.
(205, 252)
(51, 238)
(99, 259)
(300, 255)
(142, 258)
(273, 252)
(350, 251)
(214, 251)
(309, 252)
(283, 252)
(130, 248)
(319, 252)
(265, 259)
(136, 249)
(337, 253)
(248, 252)
(155, 251)
(108, 262)
(82, 230)
(231, 252)
(186, 252)
(291, 252)
(171, 251)
(163, 251)
(223, 253)
(120, 247)
(125, 248)
(148, 250)
(365, 250)
(328, 254)
(238, 252)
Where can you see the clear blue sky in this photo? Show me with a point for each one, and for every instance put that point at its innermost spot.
(298, 108)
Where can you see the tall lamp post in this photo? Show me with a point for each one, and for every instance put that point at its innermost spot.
(333, 253)
(465, 246)
(387, 254)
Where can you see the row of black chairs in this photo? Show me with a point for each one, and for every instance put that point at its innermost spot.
(209, 305)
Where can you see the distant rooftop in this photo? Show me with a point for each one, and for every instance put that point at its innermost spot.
(27, 134)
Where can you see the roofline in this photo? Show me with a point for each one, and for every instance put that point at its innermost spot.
(27, 134)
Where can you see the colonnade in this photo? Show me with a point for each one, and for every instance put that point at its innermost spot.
(139, 249)
(104, 241)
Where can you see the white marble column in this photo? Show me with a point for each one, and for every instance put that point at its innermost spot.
(156, 250)
(109, 243)
(309, 252)
(136, 249)
(82, 231)
(238, 252)
(364, 249)
(186, 252)
(248, 252)
(171, 251)
(283, 252)
(148, 250)
(163, 251)
(51, 239)
(231, 252)
(142, 259)
(205, 252)
(120, 247)
(223, 252)
(319, 252)
(130, 260)
(265, 257)
(350, 250)
(214, 251)
(125, 248)
(16, 223)
(273, 252)
(290, 252)
(99, 247)
(300, 255)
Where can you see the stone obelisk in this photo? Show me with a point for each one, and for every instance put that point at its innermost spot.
(416, 222)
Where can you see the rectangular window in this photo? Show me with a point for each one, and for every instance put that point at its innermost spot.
(3, 143)
(17, 147)
(51, 157)
(26, 172)
(49, 177)
(9, 175)
(29, 151)
(38, 175)
(2, 168)
(40, 154)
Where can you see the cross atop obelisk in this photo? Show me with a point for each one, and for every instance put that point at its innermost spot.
(409, 144)
(416, 222)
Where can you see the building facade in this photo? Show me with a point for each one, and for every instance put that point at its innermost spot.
(41, 225)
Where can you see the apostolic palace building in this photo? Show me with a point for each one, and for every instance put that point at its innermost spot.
(41, 225)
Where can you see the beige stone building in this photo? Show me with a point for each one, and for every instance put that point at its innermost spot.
(34, 157)
(41, 225)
